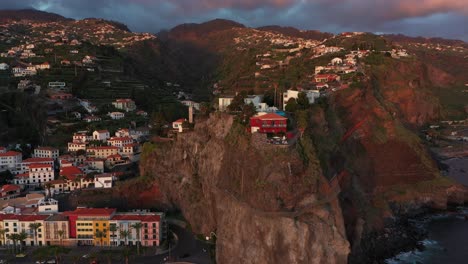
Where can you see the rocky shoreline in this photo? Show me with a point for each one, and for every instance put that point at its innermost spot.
(401, 234)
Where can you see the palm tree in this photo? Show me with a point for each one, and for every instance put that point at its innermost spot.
(100, 235)
(138, 227)
(125, 234)
(21, 238)
(34, 227)
(113, 228)
(13, 237)
(3, 234)
(61, 233)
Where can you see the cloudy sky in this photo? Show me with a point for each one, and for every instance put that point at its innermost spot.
(432, 18)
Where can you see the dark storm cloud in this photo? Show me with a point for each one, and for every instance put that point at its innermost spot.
(447, 18)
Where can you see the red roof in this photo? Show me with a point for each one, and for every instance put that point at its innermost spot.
(92, 212)
(102, 131)
(38, 160)
(57, 182)
(180, 121)
(39, 165)
(124, 100)
(71, 172)
(131, 145)
(103, 147)
(23, 218)
(121, 139)
(10, 188)
(10, 154)
(114, 156)
(270, 116)
(22, 175)
(143, 218)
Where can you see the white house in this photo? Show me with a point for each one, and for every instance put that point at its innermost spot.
(75, 146)
(10, 160)
(40, 173)
(47, 206)
(256, 100)
(101, 135)
(123, 132)
(46, 152)
(224, 102)
(4, 66)
(117, 115)
(311, 95)
(103, 180)
(124, 104)
(120, 141)
(178, 125)
(336, 61)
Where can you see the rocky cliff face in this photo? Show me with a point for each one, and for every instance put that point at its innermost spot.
(266, 205)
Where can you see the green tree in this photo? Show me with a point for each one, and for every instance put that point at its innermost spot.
(34, 227)
(113, 228)
(269, 97)
(137, 227)
(21, 238)
(302, 101)
(5, 177)
(291, 105)
(14, 238)
(302, 120)
(124, 234)
(3, 234)
(247, 112)
(238, 102)
(100, 235)
(61, 233)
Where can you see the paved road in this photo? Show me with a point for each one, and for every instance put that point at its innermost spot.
(189, 249)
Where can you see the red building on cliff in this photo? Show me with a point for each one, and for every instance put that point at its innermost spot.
(269, 123)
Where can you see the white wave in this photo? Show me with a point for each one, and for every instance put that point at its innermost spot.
(432, 247)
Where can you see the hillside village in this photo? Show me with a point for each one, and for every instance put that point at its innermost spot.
(97, 133)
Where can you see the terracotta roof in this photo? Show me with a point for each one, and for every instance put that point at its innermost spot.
(136, 217)
(102, 131)
(23, 218)
(114, 156)
(180, 120)
(39, 165)
(103, 147)
(124, 100)
(47, 148)
(57, 182)
(10, 154)
(22, 175)
(71, 172)
(38, 160)
(120, 139)
(270, 116)
(10, 188)
(131, 145)
(92, 211)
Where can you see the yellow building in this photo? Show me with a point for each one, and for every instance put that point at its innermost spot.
(101, 232)
(85, 231)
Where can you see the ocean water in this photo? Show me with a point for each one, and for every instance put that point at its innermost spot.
(447, 243)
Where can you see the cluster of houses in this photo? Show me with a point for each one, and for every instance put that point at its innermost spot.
(85, 226)
(57, 174)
